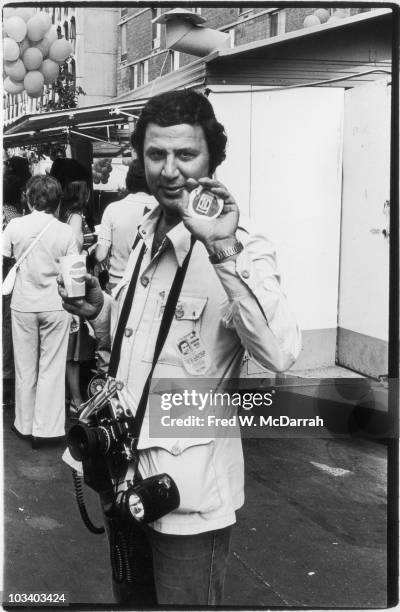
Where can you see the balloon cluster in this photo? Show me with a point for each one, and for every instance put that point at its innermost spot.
(32, 51)
(101, 170)
(321, 15)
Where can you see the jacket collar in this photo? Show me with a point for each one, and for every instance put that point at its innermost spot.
(179, 236)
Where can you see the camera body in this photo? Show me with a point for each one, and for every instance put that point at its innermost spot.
(104, 440)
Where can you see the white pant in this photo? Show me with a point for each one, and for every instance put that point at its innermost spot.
(40, 349)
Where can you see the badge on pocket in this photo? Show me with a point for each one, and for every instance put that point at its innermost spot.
(193, 353)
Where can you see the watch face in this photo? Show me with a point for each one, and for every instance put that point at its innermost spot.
(203, 203)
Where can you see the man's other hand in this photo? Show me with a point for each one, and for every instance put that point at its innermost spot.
(89, 306)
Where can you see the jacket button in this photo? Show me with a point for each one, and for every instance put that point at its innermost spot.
(176, 450)
(144, 280)
(245, 274)
(128, 332)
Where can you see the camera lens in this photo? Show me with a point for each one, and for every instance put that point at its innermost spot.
(135, 505)
(84, 441)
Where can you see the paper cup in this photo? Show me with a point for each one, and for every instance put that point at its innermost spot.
(205, 204)
(73, 270)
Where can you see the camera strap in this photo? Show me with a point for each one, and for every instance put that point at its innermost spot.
(163, 331)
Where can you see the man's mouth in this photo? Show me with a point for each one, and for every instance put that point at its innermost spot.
(172, 191)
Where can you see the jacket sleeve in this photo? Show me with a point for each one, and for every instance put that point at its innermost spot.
(258, 309)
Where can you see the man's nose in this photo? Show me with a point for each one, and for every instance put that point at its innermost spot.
(170, 168)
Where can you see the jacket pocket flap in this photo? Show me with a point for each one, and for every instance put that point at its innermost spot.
(190, 308)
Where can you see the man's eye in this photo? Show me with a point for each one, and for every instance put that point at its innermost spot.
(155, 155)
(186, 155)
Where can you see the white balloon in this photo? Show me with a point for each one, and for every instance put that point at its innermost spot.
(50, 71)
(36, 28)
(51, 34)
(15, 70)
(25, 12)
(32, 58)
(46, 19)
(15, 28)
(60, 50)
(10, 50)
(311, 20)
(33, 83)
(12, 87)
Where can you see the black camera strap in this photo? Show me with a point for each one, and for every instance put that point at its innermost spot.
(163, 331)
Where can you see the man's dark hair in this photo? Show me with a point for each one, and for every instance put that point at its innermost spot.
(176, 107)
(43, 193)
(135, 179)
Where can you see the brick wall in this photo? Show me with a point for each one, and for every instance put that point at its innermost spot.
(139, 44)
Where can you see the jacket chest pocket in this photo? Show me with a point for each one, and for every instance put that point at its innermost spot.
(187, 319)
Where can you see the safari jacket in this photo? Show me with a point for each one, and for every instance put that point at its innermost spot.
(231, 307)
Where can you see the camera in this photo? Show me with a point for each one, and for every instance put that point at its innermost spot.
(104, 440)
(149, 499)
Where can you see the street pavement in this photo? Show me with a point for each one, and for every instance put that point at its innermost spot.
(311, 534)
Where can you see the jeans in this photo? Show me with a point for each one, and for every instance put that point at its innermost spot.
(169, 569)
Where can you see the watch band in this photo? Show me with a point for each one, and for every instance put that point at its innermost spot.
(220, 256)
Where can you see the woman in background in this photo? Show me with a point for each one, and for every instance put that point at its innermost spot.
(76, 194)
(40, 326)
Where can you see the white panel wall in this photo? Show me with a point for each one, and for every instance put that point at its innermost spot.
(286, 153)
(234, 112)
(364, 279)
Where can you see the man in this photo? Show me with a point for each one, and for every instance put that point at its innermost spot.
(230, 301)
(119, 223)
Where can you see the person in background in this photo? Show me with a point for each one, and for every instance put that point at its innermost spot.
(120, 221)
(75, 198)
(15, 175)
(40, 325)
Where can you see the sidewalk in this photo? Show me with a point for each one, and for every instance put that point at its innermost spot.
(312, 532)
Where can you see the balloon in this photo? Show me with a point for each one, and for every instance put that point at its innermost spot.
(60, 50)
(46, 19)
(8, 12)
(25, 12)
(333, 18)
(43, 46)
(96, 180)
(15, 70)
(12, 87)
(33, 83)
(104, 180)
(36, 28)
(322, 14)
(50, 71)
(51, 34)
(32, 58)
(15, 28)
(10, 50)
(311, 20)
(23, 46)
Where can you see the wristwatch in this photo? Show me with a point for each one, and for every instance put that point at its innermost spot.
(220, 256)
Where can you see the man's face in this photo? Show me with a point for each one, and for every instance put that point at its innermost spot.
(171, 156)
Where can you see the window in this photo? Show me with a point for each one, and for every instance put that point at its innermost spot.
(58, 13)
(175, 58)
(123, 43)
(59, 32)
(124, 12)
(232, 37)
(155, 29)
(66, 30)
(143, 73)
(277, 22)
(72, 34)
(66, 11)
(133, 77)
(197, 10)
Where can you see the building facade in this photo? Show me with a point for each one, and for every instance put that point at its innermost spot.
(93, 35)
(142, 53)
